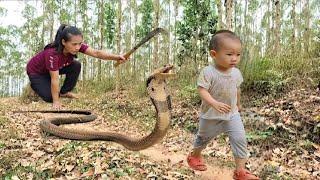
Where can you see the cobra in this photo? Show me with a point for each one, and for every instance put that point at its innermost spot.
(159, 95)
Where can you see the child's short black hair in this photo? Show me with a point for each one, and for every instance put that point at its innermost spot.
(216, 39)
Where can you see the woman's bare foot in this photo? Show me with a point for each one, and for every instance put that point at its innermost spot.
(69, 95)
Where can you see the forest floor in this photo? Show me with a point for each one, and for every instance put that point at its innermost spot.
(283, 136)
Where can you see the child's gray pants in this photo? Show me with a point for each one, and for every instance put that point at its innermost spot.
(209, 129)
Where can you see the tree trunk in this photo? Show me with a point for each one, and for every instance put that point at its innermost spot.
(306, 34)
(220, 15)
(85, 32)
(176, 8)
(101, 25)
(229, 9)
(155, 60)
(134, 34)
(294, 27)
(118, 83)
(277, 27)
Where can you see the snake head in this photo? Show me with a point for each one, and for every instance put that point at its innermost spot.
(161, 73)
(156, 83)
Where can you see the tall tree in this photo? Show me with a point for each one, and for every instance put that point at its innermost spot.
(156, 39)
(83, 10)
(101, 27)
(192, 34)
(229, 14)
(118, 40)
(277, 24)
(294, 27)
(306, 28)
(219, 4)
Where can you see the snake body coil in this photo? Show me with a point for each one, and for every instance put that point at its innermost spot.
(156, 88)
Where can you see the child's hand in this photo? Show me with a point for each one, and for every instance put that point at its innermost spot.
(221, 107)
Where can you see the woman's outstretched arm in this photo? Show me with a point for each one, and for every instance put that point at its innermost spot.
(104, 55)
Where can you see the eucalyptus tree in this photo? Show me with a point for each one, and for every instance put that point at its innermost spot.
(155, 60)
(306, 26)
(229, 5)
(12, 61)
(143, 27)
(106, 26)
(277, 26)
(83, 12)
(118, 42)
(167, 44)
(294, 26)
(48, 9)
(219, 6)
(198, 23)
(32, 30)
(65, 12)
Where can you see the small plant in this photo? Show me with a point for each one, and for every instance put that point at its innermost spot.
(254, 136)
(190, 126)
(2, 145)
(190, 94)
(140, 90)
(3, 120)
(270, 172)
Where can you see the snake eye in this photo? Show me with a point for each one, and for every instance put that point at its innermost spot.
(152, 89)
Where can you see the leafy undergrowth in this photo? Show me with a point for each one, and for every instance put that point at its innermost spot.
(283, 136)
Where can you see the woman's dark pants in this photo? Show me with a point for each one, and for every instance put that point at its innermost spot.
(41, 84)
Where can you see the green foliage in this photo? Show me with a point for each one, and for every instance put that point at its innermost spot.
(315, 50)
(273, 172)
(2, 145)
(12, 168)
(190, 29)
(262, 77)
(307, 145)
(109, 19)
(3, 11)
(140, 90)
(146, 9)
(191, 126)
(3, 120)
(189, 94)
(70, 148)
(31, 34)
(23, 172)
(65, 15)
(270, 171)
(256, 136)
(97, 87)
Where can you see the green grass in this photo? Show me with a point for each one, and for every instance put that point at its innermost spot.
(256, 136)
(271, 76)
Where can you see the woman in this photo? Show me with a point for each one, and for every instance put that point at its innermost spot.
(58, 58)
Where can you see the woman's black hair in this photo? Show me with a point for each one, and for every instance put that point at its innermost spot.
(64, 32)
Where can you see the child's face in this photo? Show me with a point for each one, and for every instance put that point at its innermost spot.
(228, 53)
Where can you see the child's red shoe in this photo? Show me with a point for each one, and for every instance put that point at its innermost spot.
(244, 174)
(196, 163)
